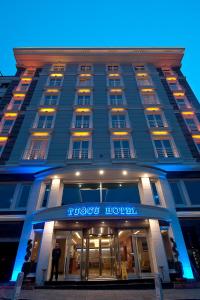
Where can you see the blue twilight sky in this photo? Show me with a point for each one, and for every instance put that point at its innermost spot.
(135, 23)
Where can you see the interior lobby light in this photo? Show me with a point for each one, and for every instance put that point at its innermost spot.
(101, 172)
(124, 172)
(77, 173)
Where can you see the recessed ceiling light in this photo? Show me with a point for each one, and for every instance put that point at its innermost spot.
(77, 173)
(101, 172)
(124, 172)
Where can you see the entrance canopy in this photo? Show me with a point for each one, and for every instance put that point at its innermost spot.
(89, 211)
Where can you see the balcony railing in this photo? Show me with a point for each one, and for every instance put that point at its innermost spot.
(82, 124)
(118, 124)
(122, 153)
(80, 154)
(34, 155)
(165, 152)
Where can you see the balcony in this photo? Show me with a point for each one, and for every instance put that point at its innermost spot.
(119, 124)
(80, 154)
(122, 153)
(34, 155)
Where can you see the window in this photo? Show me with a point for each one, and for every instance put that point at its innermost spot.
(155, 193)
(84, 100)
(73, 193)
(80, 149)
(114, 82)
(23, 195)
(174, 86)
(15, 104)
(58, 68)
(144, 81)
(46, 195)
(36, 149)
(23, 86)
(50, 99)
(6, 126)
(176, 191)
(120, 192)
(196, 140)
(29, 72)
(116, 99)
(155, 120)
(139, 68)
(2, 145)
(165, 147)
(181, 103)
(118, 121)
(193, 189)
(7, 194)
(113, 68)
(150, 99)
(191, 124)
(85, 68)
(44, 121)
(82, 121)
(84, 80)
(55, 81)
(121, 149)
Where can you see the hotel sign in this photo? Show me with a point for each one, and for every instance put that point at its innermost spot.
(102, 210)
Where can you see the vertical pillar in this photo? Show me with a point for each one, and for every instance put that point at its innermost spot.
(27, 231)
(157, 250)
(44, 257)
(176, 230)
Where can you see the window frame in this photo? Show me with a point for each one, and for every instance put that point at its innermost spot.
(161, 113)
(27, 148)
(37, 117)
(131, 147)
(75, 139)
(55, 78)
(124, 103)
(75, 114)
(172, 144)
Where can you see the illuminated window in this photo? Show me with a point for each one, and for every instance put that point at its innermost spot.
(122, 149)
(6, 125)
(113, 67)
(55, 81)
(44, 121)
(114, 82)
(82, 121)
(116, 99)
(58, 68)
(80, 149)
(85, 68)
(155, 120)
(36, 148)
(164, 147)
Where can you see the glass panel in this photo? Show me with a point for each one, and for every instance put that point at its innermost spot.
(176, 193)
(90, 192)
(118, 192)
(71, 194)
(155, 193)
(24, 194)
(193, 189)
(7, 193)
(46, 195)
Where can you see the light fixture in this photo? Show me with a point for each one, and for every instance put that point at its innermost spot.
(82, 110)
(152, 108)
(81, 133)
(77, 222)
(120, 133)
(171, 78)
(19, 94)
(80, 185)
(40, 134)
(101, 172)
(117, 109)
(52, 90)
(11, 115)
(142, 74)
(187, 113)
(56, 75)
(115, 90)
(47, 110)
(120, 184)
(85, 75)
(26, 79)
(196, 136)
(124, 172)
(3, 138)
(55, 177)
(147, 90)
(84, 91)
(113, 75)
(126, 221)
(102, 222)
(160, 132)
(77, 173)
(179, 94)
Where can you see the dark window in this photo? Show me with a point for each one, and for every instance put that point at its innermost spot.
(193, 189)
(90, 192)
(24, 194)
(155, 193)
(6, 192)
(126, 192)
(176, 193)
(71, 194)
(46, 195)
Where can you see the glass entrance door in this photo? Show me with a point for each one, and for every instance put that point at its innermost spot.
(101, 257)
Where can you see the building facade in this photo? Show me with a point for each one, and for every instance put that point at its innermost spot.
(99, 152)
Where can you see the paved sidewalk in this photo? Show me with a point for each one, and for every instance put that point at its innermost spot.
(171, 294)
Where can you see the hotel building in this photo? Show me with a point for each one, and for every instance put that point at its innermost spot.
(99, 152)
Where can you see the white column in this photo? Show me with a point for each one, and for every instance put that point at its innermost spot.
(27, 231)
(176, 231)
(157, 250)
(44, 257)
